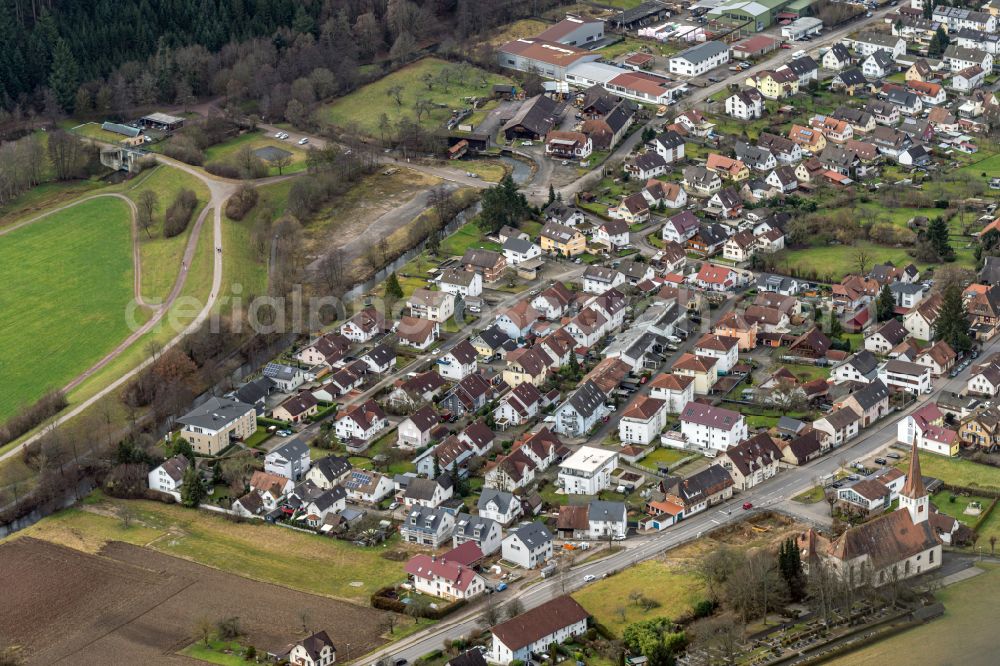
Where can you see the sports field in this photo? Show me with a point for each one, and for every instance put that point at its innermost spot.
(366, 105)
(68, 281)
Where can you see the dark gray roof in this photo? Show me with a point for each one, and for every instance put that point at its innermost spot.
(473, 527)
(852, 77)
(882, 59)
(606, 511)
(537, 115)
(329, 498)
(864, 362)
(255, 391)
(650, 160)
(290, 450)
(280, 371)
(424, 519)
(381, 355)
(494, 337)
(534, 535)
(587, 398)
(802, 65)
(871, 394)
(703, 52)
(669, 139)
(215, 413)
(332, 467)
(990, 273)
(423, 489)
(501, 498)
(469, 658)
(518, 245)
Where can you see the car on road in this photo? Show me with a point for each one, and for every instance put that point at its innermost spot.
(747, 506)
(880, 461)
(303, 141)
(589, 578)
(400, 662)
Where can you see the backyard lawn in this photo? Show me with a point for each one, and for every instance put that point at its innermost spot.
(467, 236)
(67, 294)
(421, 80)
(807, 372)
(956, 471)
(254, 550)
(956, 509)
(665, 456)
(832, 262)
(670, 584)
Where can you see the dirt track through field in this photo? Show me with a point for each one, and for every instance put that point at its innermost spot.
(129, 605)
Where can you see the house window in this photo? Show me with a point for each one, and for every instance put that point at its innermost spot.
(931, 557)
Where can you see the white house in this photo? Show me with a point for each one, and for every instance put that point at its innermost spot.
(642, 421)
(752, 461)
(711, 427)
(887, 336)
(315, 650)
(290, 460)
(862, 368)
(437, 577)
(366, 487)
(927, 426)
(517, 251)
(746, 104)
(361, 423)
(482, 531)
(580, 411)
(721, 347)
(528, 545)
(427, 526)
(699, 59)
(414, 432)
(461, 282)
(838, 426)
(499, 505)
(169, 477)
(436, 306)
(676, 391)
(598, 279)
(910, 377)
(460, 362)
(587, 471)
(985, 378)
(606, 519)
(615, 233)
(536, 630)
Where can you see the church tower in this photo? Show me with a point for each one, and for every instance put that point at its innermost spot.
(913, 497)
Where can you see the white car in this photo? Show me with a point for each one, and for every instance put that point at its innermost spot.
(303, 141)
(589, 578)
(277, 135)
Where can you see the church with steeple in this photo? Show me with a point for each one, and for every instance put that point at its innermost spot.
(893, 546)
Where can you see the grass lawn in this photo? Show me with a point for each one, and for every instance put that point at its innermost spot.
(161, 257)
(215, 652)
(42, 197)
(990, 166)
(489, 170)
(675, 588)
(968, 628)
(956, 509)
(257, 140)
(67, 293)
(665, 456)
(807, 372)
(254, 550)
(365, 106)
(956, 471)
(754, 421)
(811, 496)
(94, 131)
(836, 261)
(467, 236)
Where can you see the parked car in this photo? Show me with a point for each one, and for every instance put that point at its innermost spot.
(501, 587)
(880, 461)
(303, 141)
(894, 456)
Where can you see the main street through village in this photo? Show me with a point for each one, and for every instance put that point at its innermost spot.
(773, 494)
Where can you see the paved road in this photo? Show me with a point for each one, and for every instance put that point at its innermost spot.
(775, 493)
(219, 189)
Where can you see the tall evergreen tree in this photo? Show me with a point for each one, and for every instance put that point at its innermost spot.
(65, 76)
(885, 304)
(937, 237)
(952, 325)
(552, 193)
(502, 205)
(392, 288)
(192, 492)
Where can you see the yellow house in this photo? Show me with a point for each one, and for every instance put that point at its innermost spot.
(808, 138)
(563, 240)
(774, 85)
(526, 365)
(216, 424)
(919, 71)
(702, 368)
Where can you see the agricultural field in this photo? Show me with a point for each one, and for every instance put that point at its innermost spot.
(149, 605)
(420, 81)
(261, 141)
(161, 257)
(254, 550)
(68, 296)
(968, 629)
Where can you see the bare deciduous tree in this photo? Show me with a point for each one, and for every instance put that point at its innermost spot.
(146, 207)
